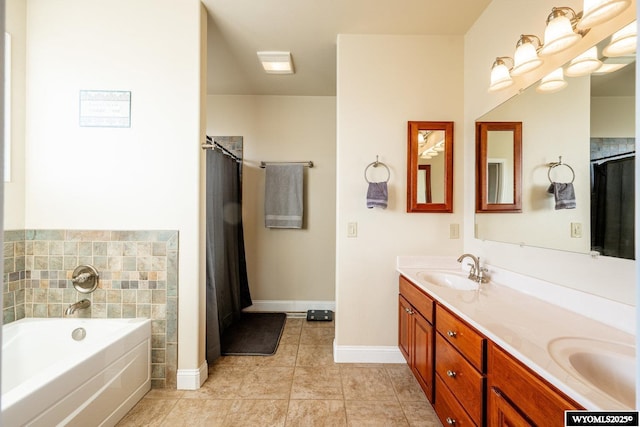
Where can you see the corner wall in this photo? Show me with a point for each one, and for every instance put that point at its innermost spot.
(384, 82)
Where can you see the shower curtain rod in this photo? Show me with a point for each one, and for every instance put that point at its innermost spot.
(211, 144)
(264, 164)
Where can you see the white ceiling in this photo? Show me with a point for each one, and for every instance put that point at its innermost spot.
(237, 29)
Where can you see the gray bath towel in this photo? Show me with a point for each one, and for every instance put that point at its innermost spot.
(564, 195)
(377, 195)
(283, 196)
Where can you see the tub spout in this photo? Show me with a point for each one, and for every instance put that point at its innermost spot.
(84, 303)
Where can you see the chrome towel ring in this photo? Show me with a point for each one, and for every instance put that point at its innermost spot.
(375, 165)
(553, 165)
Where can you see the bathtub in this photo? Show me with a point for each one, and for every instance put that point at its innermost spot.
(76, 372)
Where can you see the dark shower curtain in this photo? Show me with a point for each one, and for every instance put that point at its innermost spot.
(227, 284)
(613, 208)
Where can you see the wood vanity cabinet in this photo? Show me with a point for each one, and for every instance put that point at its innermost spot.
(416, 333)
(519, 397)
(460, 365)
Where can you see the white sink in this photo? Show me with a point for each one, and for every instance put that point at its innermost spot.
(448, 280)
(608, 367)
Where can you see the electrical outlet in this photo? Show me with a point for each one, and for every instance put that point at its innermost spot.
(576, 230)
(454, 231)
(352, 229)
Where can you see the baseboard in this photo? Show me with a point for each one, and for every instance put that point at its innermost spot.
(290, 305)
(192, 379)
(367, 354)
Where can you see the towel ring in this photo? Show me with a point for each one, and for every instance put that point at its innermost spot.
(375, 165)
(559, 163)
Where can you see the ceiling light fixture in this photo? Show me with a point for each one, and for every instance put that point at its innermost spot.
(559, 33)
(598, 11)
(526, 57)
(276, 62)
(623, 42)
(500, 77)
(552, 82)
(584, 64)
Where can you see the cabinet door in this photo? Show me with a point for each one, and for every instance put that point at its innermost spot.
(404, 321)
(422, 348)
(502, 414)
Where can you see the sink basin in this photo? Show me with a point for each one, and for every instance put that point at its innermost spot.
(608, 367)
(448, 280)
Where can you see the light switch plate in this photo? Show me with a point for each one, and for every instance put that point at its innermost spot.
(454, 231)
(576, 230)
(352, 229)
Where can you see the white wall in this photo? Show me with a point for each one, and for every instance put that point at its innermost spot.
(383, 82)
(285, 265)
(14, 191)
(495, 34)
(143, 177)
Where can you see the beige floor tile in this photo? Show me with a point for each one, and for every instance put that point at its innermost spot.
(366, 384)
(404, 383)
(318, 324)
(383, 414)
(290, 337)
(196, 412)
(286, 355)
(164, 393)
(316, 413)
(294, 323)
(420, 414)
(317, 383)
(224, 382)
(315, 355)
(317, 336)
(148, 412)
(272, 413)
(267, 383)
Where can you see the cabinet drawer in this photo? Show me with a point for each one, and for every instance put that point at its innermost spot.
(448, 409)
(462, 336)
(460, 376)
(533, 396)
(417, 298)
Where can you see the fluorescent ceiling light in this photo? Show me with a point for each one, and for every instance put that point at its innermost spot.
(276, 62)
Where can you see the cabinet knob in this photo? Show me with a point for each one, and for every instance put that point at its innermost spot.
(452, 334)
(451, 373)
(451, 421)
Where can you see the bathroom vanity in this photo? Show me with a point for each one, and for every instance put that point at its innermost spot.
(492, 355)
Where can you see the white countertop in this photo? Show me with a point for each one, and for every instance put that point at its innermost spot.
(525, 324)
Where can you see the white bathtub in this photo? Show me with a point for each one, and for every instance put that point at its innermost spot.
(48, 378)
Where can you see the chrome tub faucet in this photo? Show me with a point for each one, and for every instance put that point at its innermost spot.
(476, 273)
(83, 303)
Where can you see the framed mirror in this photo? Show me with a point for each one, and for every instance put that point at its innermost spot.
(498, 166)
(430, 167)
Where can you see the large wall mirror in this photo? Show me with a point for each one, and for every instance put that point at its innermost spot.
(590, 126)
(498, 166)
(430, 167)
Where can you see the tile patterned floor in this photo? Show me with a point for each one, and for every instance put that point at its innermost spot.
(298, 386)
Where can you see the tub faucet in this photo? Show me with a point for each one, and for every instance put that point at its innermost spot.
(84, 303)
(477, 273)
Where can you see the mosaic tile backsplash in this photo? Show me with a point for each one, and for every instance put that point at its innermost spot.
(138, 278)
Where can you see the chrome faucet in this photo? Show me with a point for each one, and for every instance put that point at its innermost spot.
(477, 273)
(84, 303)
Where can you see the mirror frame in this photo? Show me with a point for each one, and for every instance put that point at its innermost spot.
(412, 167)
(482, 129)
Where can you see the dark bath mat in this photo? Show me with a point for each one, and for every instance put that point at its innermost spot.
(255, 334)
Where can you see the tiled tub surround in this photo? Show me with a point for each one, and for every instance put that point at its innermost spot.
(138, 278)
(525, 315)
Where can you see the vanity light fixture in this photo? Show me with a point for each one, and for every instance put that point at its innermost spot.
(526, 57)
(552, 82)
(583, 64)
(276, 62)
(559, 33)
(623, 42)
(500, 77)
(598, 11)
